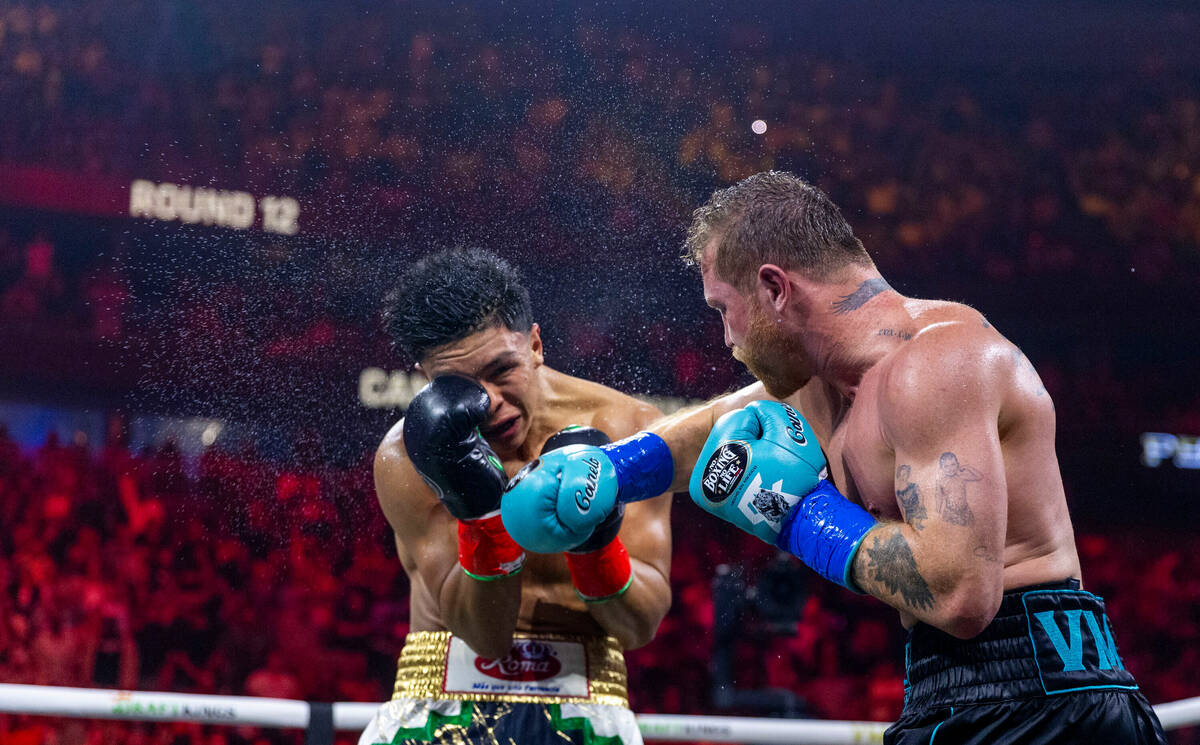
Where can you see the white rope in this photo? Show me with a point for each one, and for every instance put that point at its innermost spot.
(353, 716)
(276, 712)
(712, 729)
(147, 706)
(1178, 714)
(765, 731)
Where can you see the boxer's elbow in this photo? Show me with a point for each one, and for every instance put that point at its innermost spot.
(967, 624)
(636, 634)
(968, 610)
(634, 618)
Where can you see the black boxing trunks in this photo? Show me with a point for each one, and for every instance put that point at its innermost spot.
(548, 690)
(1045, 670)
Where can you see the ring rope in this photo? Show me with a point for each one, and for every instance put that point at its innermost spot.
(93, 703)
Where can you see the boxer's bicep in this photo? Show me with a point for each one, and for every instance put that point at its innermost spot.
(956, 482)
(646, 533)
(949, 466)
(950, 486)
(958, 517)
(646, 529)
(425, 532)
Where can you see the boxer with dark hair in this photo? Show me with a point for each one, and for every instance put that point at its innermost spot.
(505, 645)
(937, 489)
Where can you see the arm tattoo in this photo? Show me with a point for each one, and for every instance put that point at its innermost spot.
(910, 498)
(857, 299)
(952, 490)
(892, 565)
(1026, 368)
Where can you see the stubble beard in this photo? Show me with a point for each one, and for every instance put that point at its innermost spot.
(773, 356)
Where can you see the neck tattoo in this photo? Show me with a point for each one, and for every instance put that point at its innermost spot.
(857, 299)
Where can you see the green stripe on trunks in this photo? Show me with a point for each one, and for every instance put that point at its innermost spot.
(581, 723)
(563, 724)
(435, 722)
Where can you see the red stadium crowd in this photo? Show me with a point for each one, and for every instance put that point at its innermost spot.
(589, 152)
(236, 576)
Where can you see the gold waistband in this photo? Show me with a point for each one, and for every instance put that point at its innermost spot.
(421, 670)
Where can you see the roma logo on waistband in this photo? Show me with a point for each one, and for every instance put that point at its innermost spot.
(528, 659)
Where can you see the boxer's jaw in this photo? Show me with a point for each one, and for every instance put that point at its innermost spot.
(773, 354)
(770, 349)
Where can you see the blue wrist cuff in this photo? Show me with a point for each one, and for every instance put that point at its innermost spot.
(643, 464)
(824, 530)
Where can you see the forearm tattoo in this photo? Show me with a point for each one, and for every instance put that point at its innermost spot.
(893, 566)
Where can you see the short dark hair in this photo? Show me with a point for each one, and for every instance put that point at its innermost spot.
(773, 217)
(450, 295)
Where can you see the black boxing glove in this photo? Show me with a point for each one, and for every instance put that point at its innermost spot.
(442, 438)
(600, 567)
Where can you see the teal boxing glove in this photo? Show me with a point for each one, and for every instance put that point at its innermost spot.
(556, 502)
(762, 469)
(757, 464)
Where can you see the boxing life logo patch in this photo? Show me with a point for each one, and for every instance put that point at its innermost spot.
(724, 471)
(1073, 644)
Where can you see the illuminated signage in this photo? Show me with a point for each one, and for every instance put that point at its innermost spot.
(1181, 450)
(197, 205)
(380, 389)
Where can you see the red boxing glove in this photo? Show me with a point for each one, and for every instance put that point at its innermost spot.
(603, 574)
(600, 568)
(486, 551)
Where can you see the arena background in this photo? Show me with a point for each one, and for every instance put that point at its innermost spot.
(201, 205)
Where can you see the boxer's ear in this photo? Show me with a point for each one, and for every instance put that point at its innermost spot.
(774, 286)
(535, 345)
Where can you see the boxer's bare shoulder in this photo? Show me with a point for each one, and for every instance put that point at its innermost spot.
(953, 352)
(417, 518)
(947, 343)
(391, 447)
(579, 401)
(395, 475)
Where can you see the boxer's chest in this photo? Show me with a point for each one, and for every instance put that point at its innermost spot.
(861, 464)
